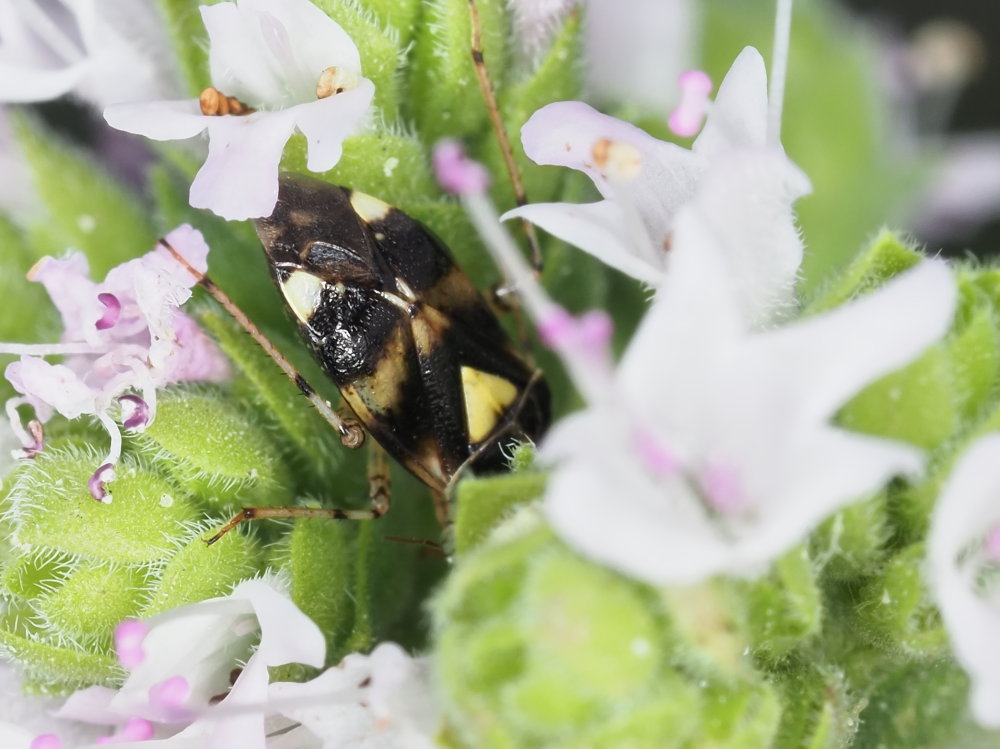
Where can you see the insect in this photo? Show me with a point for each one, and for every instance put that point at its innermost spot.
(421, 361)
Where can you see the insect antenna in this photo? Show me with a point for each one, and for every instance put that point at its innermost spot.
(496, 119)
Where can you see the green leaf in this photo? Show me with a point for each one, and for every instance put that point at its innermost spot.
(86, 209)
(197, 571)
(92, 601)
(190, 40)
(391, 167)
(444, 92)
(484, 502)
(887, 256)
(785, 608)
(215, 450)
(53, 509)
(852, 543)
(381, 49)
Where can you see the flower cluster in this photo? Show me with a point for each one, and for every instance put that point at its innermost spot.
(122, 337)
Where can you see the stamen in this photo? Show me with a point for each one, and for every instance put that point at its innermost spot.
(335, 80)
(695, 86)
(455, 171)
(46, 741)
(170, 693)
(115, 448)
(214, 103)
(991, 544)
(32, 439)
(96, 483)
(112, 311)
(135, 411)
(722, 489)
(129, 636)
(618, 160)
(135, 729)
(779, 69)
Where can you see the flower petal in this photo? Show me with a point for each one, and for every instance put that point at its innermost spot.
(595, 228)
(159, 120)
(739, 116)
(966, 510)
(51, 385)
(326, 122)
(564, 134)
(239, 179)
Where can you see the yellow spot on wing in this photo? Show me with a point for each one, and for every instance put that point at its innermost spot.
(303, 292)
(369, 208)
(486, 398)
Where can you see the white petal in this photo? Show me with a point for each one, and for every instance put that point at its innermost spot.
(239, 179)
(739, 114)
(326, 122)
(746, 198)
(159, 120)
(272, 54)
(967, 509)
(55, 385)
(834, 355)
(287, 635)
(597, 228)
(19, 84)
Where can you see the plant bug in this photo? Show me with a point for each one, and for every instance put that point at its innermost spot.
(419, 358)
(421, 362)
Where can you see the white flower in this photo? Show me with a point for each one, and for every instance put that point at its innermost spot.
(106, 52)
(182, 663)
(272, 57)
(963, 549)
(715, 453)
(745, 187)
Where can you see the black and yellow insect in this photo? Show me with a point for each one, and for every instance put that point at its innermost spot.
(420, 360)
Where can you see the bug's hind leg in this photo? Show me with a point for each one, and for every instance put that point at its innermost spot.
(378, 493)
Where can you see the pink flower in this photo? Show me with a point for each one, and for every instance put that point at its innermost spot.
(124, 334)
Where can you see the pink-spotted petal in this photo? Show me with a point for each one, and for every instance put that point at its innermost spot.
(129, 636)
(564, 134)
(239, 179)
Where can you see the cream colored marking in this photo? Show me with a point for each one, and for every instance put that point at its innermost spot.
(303, 292)
(394, 300)
(369, 208)
(486, 398)
(404, 288)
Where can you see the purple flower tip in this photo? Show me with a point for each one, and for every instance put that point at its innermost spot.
(46, 741)
(112, 311)
(657, 458)
(687, 118)
(456, 172)
(96, 483)
(129, 636)
(135, 411)
(170, 693)
(991, 545)
(723, 489)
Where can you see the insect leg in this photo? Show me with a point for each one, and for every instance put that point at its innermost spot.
(378, 478)
(351, 432)
(326, 513)
(496, 119)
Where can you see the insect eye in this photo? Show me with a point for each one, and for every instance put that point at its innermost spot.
(335, 263)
